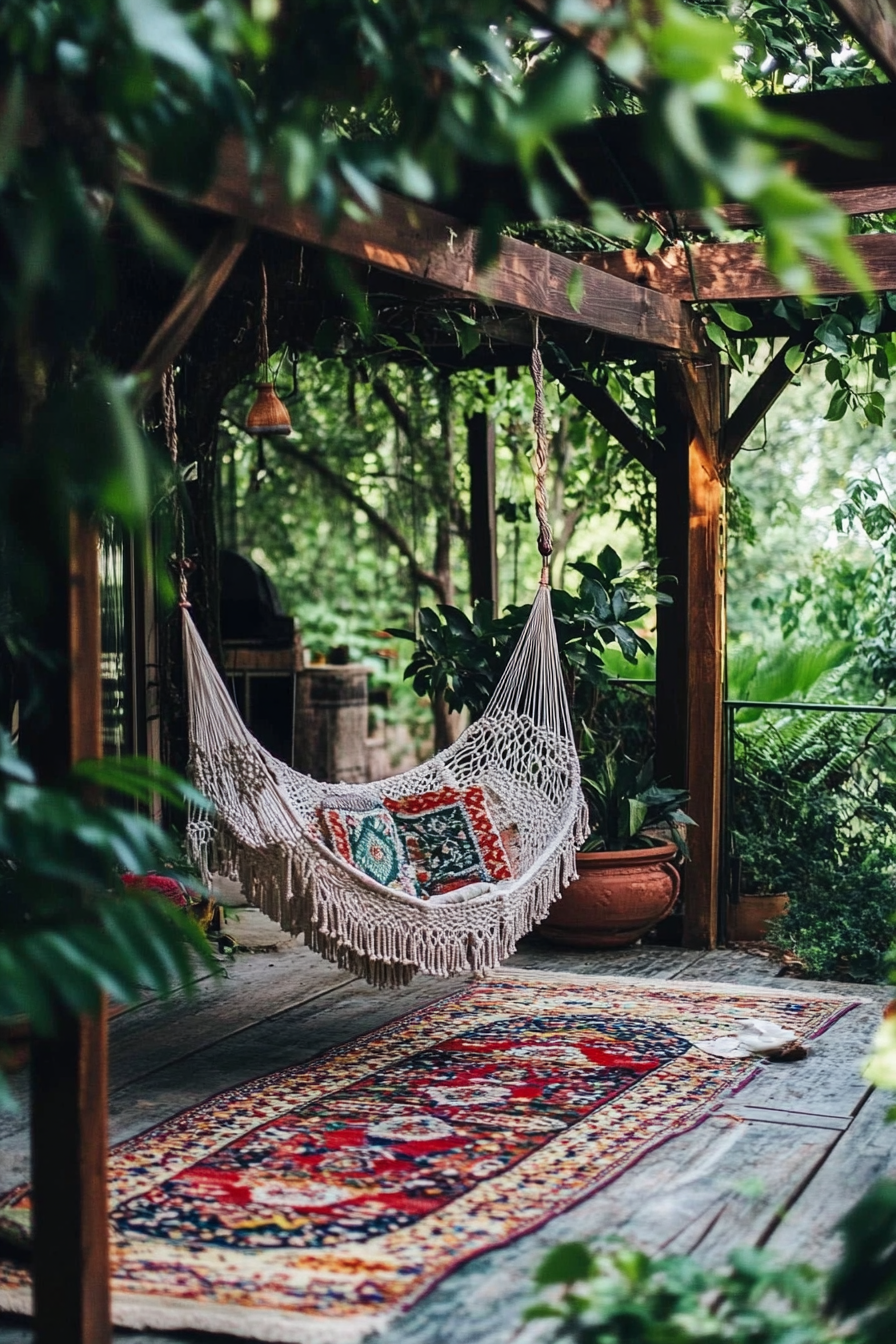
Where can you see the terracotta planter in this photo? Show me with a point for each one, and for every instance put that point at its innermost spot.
(749, 918)
(617, 899)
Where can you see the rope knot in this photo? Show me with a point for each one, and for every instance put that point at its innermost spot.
(542, 452)
(184, 568)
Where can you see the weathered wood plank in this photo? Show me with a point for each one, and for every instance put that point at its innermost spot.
(421, 243)
(732, 271)
(851, 200)
(728, 966)
(654, 963)
(771, 1115)
(829, 1081)
(863, 1155)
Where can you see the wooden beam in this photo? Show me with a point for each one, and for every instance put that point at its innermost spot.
(69, 1071)
(689, 632)
(483, 524)
(874, 23)
(203, 284)
(607, 411)
(852, 201)
(610, 159)
(732, 271)
(438, 250)
(757, 401)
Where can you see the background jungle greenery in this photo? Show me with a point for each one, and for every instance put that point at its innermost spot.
(810, 603)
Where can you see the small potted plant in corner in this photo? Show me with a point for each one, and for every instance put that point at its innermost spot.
(628, 879)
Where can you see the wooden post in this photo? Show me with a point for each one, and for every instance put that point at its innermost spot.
(69, 1073)
(690, 649)
(483, 525)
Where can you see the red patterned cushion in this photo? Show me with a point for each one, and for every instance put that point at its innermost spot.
(450, 838)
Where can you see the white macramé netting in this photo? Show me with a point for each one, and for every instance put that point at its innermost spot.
(521, 752)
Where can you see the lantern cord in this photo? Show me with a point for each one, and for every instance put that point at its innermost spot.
(264, 354)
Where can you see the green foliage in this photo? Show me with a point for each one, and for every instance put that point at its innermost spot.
(839, 922)
(624, 801)
(713, 142)
(863, 1284)
(69, 930)
(867, 505)
(462, 659)
(788, 672)
(619, 1295)
(815, 816)
(791, 570)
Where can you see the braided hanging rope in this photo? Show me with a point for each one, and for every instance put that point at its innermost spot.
(169, 420)
(169, 412)
(540, 460)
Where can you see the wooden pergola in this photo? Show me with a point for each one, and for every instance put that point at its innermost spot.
(622, 302)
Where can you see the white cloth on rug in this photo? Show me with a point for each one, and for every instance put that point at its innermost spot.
(757, 1036)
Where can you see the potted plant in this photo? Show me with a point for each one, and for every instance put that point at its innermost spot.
(632, 818)
(628, 879)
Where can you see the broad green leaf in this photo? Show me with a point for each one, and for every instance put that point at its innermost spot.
(731, 318)
(567, 1263)
(794, 358)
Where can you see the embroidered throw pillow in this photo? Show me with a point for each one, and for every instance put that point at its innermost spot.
(450, 838)
(364, 834)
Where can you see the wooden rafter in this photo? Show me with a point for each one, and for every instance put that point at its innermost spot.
(757, 401)
(205, 281)
(423, 244)
(852, 201)
(874, 24)
(607, 411)
(610, 160)
(731, 271)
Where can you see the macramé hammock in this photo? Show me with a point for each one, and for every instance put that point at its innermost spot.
(521, 752)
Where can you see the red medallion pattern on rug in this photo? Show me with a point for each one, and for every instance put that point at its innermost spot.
(312, 1204)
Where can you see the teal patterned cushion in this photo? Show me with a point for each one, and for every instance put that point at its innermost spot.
(365, 835)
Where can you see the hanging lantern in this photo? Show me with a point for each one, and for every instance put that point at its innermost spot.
(268, 415)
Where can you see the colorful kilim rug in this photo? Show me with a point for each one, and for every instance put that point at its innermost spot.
(313, 1204)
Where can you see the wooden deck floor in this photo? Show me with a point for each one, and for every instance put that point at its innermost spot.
(799, 1145)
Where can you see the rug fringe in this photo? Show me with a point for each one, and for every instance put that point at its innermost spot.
(138, 1312)
(801, 989)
